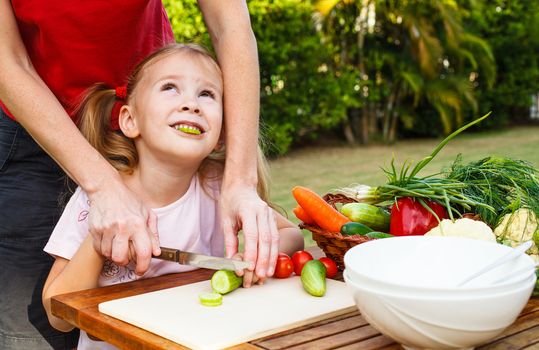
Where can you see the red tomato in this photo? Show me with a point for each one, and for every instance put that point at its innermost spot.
(284, 266)
(331, 267)
(299, 259)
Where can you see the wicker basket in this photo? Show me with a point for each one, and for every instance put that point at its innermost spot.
(333, 244)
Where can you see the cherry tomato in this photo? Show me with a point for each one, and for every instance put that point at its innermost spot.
(284, 266)
(331, 267)
(299, 259)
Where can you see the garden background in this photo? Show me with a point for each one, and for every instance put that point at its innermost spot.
(348, 85)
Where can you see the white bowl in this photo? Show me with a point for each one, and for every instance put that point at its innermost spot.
(439, 322)
(500, 287)
(422, 264)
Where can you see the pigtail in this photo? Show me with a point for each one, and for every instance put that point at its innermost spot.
(94, 119)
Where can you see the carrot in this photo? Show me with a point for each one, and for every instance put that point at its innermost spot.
(319, 210)
(302, 215)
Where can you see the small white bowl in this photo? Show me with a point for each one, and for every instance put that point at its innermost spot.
(435, 322)
(422, 264)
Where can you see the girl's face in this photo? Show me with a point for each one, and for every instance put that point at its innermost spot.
(177, 109)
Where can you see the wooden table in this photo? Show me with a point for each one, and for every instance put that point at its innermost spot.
(348, 331)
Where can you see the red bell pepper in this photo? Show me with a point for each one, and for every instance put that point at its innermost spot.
(409, 217)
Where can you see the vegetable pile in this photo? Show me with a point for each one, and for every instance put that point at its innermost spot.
(494, 199)
(312, 273)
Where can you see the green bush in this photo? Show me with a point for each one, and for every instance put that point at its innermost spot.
(512, 30)
(187, 21)
(299, 93)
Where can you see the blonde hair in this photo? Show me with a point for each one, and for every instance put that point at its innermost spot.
(94, 120)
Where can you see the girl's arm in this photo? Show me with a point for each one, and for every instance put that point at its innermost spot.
(79, 273)
(235, 44)
(116, 214)
(291, 238)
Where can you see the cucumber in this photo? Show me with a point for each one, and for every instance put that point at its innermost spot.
(313, 278)
(376, 234)
(225, 281)
(355, 228)
(210, 299)
(367, 214)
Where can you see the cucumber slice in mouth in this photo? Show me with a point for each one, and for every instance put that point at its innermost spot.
(210, 299)
(188, 129)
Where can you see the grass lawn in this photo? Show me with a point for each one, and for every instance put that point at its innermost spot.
(325, 168)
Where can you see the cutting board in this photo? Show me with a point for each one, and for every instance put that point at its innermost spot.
(246, 313)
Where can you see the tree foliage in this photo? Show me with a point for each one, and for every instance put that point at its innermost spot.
(382, 69)
(511, 28)
(406, 54)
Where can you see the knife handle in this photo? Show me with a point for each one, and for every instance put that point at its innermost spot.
(169, 254)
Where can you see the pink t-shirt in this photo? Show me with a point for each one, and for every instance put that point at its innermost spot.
(191, 223)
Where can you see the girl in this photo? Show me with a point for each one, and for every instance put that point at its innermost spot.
(166, 141)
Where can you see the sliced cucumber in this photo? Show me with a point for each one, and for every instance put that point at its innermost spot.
(210, 299)
(188, 130)
(225, 281)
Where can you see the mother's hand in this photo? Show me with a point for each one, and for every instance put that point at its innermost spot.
(242, 208)
(118, 219)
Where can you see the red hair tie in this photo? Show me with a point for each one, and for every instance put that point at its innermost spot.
(121, 95)
(121, 92)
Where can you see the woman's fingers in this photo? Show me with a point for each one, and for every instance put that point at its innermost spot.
(116, 218)
(143, 249)
(274, 249)
(152, 226)
(243, 209)
(231, 238)
(264, 242)
(250, 239)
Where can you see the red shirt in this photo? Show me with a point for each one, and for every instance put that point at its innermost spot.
(77, 43)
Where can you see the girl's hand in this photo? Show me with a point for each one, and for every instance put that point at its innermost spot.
(243, 209)
(117, 220)
(249, 277)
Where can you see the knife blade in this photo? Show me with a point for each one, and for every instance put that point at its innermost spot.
(201, 260)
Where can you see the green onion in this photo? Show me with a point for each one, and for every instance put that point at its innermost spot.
(448, 191)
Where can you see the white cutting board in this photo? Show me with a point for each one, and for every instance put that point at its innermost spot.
(246, 313)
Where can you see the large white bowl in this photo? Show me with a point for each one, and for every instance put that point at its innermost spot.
(424, 265)
(439, 322)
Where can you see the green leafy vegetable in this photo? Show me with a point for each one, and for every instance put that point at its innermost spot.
(504, 184)
(449, 192)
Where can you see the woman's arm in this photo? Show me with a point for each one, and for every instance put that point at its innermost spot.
(79, 273)
(233, 39)
(116, 214)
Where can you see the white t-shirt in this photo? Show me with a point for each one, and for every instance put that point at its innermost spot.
(191, 223)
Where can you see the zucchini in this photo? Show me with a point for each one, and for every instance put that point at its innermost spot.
(355, 228)
(225, 281)
(313, 278)
(210, 299)
(367, 214)
(376, 234)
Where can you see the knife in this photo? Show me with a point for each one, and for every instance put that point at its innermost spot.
(200, 260)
